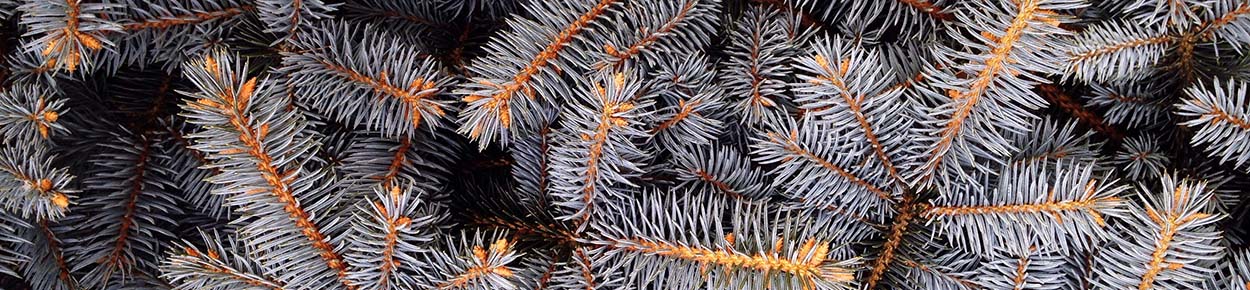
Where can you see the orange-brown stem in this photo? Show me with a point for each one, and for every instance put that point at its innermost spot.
(194, 18)
(1056, 95)
(999, 55)
(898, 228)
(116, 259)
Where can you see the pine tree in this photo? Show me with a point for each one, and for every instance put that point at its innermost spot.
(624, 144)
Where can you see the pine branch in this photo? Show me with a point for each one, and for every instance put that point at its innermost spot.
(389, 237)
(1170, 242)
(1051, 206)
(402, 88)
(732, 242)
(69, 31)
(819, 168)
(595, 158)
(859, 89)
(217, 265)
(664, 26)
(127, 216)
(247, 120)
(1015, 47)
(518, 63)
(1223, 120)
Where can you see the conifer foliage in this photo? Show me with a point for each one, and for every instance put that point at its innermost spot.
(624, 144)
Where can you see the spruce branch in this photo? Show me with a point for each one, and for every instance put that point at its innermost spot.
(1043, 206)
(507, 93)
(1219, 113)
(29, 114)
(760, 49)
(245, 119)
(668, 25)
(1142, 158)
(688, 102)
(1053, 141)
(732, 244)
(595, 157)
(391, 233)
(127, 216)
(477, 260)
(221, 263)
(721, 169)
(290, 18)
(34, 188)
(1115, 50)
(819, 167)
(170, 33)
(1037, 269)
(69, 32)
(842, 81)
(1177, 248)
(49, 266)
(987, 90)
(404, 88)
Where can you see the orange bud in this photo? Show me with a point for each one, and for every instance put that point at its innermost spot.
(44, 185)
(479, 253)
(500, 245)
(619, 81)
(88, 40)
(246, 91)
(610, 49)
(472, 98)
(191, 251)
(43, 130)
(60, 200)
(503, 271)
